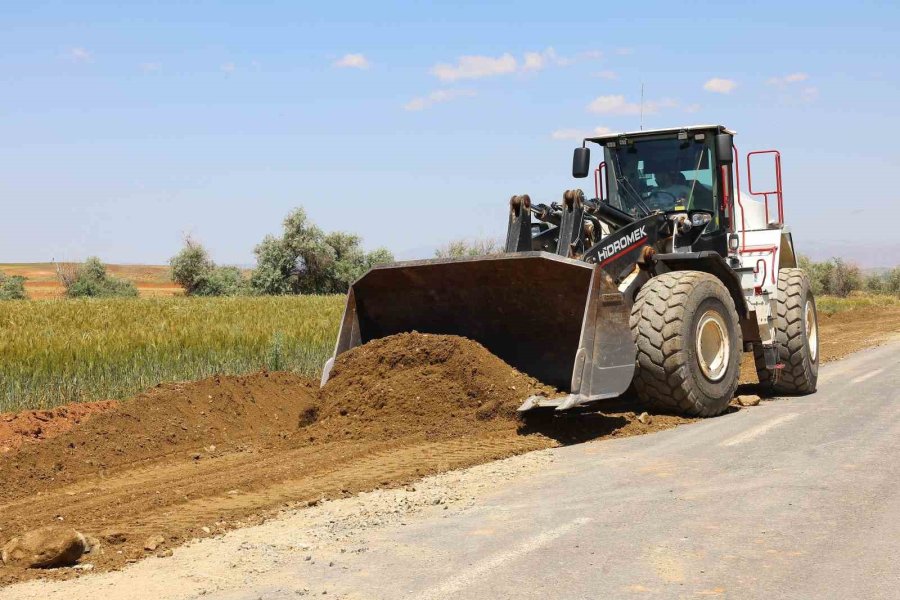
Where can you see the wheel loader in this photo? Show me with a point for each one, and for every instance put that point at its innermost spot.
(659, 282)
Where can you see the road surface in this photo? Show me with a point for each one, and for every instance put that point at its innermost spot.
(796, 498)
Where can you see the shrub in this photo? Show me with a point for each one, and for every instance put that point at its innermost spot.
(191, 266)
(469, 248)
(223, 281)
(193, 270)
(875, 283)
(12, 288)
(834, 277)
(307, 260)
(90, 280)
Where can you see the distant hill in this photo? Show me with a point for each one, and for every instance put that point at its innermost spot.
(865, 254)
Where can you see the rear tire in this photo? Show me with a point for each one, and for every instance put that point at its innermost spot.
(797, 334)
(688, 343)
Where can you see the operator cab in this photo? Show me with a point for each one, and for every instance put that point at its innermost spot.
(668, 170)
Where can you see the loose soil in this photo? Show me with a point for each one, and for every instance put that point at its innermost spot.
(191, 460)
(32, 426)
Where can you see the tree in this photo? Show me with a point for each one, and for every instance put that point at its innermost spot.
(306, 260)
(193, 270)
(892, 281)
(12, 287)
(191, 267)
(843, 278)
(876, 283)
(834, 277)
(90, 280)
(816, 272)
(469, 248)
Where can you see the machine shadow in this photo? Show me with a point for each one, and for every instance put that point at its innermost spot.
(754, 388)
(572, 427)
(600, 420)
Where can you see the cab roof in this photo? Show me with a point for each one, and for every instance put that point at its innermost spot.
(653, 132)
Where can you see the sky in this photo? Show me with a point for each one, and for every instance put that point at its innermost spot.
(125, 126)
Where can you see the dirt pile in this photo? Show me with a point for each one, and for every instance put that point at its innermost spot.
(428, 386)
(30, 426)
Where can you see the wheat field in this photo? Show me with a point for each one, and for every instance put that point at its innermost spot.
(58, 351)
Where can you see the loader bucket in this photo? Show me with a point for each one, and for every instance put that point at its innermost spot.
(557, 319)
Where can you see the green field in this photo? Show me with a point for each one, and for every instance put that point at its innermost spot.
(58, 351)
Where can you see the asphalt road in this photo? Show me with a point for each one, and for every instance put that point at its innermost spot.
(796, 498)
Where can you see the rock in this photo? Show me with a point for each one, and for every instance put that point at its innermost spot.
(93, 545)
(206, 530)
(114, 537)
(748, 400)
(645, 418)
(153, 542)
(165, 553)
(84, 567)
(45, 548)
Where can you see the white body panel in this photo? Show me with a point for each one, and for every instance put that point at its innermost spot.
(759, 252)
(753, 212)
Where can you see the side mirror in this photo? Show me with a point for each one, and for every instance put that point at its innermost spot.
(581, 162)
(724, 153)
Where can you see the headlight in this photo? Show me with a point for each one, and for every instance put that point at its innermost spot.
(700, 219)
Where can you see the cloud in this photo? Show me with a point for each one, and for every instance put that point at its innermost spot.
(151, 67)
(788, 79)
(79, 54)
(352, 61)
(720, 86)
(809, 94)
(578, 134)
(436, 97)
(480, 66)
(535, 61)
(565, 61)
(475, 67)
(607, 74)
(228, 67)
(617, 105)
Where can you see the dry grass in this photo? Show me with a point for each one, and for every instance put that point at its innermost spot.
(833, 304)
(42, 281)
(59, 351)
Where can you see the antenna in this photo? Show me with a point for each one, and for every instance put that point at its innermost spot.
(642, 106)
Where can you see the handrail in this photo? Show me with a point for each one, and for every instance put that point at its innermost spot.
(737, 194)
(777, 191)
(598, 186)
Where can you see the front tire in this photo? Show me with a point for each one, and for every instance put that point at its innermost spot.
(689, 343)
(797, 334)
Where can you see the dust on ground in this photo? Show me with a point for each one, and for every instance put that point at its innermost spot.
(194, 460)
